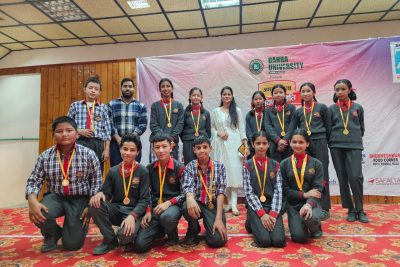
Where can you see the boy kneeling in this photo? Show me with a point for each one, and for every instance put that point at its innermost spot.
(204, 183)
(122, 200)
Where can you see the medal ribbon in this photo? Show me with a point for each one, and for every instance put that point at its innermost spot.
(347, 118)
(282, 122)
(162, 181)
(262, 188)
(126, 189)
(296, 174)
(208, 191)
(91, 116)
(166, 111)
(261, 120)
(308, 123)
(196, 126)
(65, 173)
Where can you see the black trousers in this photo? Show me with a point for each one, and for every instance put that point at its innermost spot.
(299, 228)
(72, 232)
(188, 154)
(94, 144)
(348, 166)
(208, 215)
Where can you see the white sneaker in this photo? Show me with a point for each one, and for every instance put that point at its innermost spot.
(227, 208)
(235, 211)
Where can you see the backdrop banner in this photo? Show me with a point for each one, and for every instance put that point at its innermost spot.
(371, 65)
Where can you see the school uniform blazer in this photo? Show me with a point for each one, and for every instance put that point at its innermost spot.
(251, 126)
(272, 123)
(204, 125)
(159, 121)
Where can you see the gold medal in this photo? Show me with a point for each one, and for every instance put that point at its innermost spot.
(126, 200)
(127, 186)
(196, 134)
(210, 206)
(262, 186)
(345, 123)
(282, 121)
(65, 182)
(345, 132)
(263, 198)
(283, 133)
(169, 125)
(309, 132)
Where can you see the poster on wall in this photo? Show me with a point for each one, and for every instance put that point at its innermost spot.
(395, 56)
(368, 64)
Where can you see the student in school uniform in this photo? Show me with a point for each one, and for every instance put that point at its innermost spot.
(204, 184)
(314, 117)
(277, 122)
(346, 148)
(165, 206)
(92, 118)
(166, 116)
(129, 116)
(255, 118)
(302, 177)
(72, 173)
(122, 200)
(196, 122)
(262, 183)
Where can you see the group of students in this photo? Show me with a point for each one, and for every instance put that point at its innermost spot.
(283, 168)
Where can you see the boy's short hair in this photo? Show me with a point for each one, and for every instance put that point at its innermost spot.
(161, 137)
(63, 119)
(200, 140)
(93, 79)
(131, 138)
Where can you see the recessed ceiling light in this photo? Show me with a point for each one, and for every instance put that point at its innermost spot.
(136, 4)
(60, 10)
(218, 3)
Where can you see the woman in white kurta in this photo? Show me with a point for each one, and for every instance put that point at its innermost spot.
(227, 134)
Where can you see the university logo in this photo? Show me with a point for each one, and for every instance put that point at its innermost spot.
(256, 66)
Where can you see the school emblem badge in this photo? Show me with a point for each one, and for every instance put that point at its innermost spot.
(288, 113)
(272, 175)
(256, 66)
(355, 113)
(135, 180)
(98, 118)
(79, 174)
(204, 117)
(317, 114)
(172, 180)
(175, 110)
(311, 171)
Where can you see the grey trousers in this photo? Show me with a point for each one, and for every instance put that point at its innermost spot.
(263, 237)
(167, 221)
(110, 214)
(319, 149)
(212, 240)
(299, 228)
(188, 154)
(94, 144)
(348, 166)
(72, 233)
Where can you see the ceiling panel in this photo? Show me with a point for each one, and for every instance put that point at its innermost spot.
(21, 33)
(335, 7)
(6, 20)
(259, 13)
(374, 5)
(224, 31)
(25, 13)
(152, 23)
(282, 25)
(154, 8)
(328, 21)
(117, 26)
(5, 39)
(69, 42)
(100, 8)
(392, 15)
(40, 44)
(52, 31)
(84, 29)
(160, 36)
(16, 46)
(299, 9)
(99, 40)
(365, 17)
(191, 33)
(397, 6)
(222, 16)
(129, 38)
(3, 51)
(258, 27)
(173, 5)
(186, 20)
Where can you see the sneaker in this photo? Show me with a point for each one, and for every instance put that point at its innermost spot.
(105, 248)
(50, 244)
(191, 240)
(351, 216)
(173, 239)
(248, 227)
(227, 208)
(325, 215)
(235, 211)
(317, 234)
(362, 217)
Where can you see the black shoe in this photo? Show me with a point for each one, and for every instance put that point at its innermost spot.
(325, 215)
(248, 227)
(104, 248)
(50, 244)
(351, 216)
(362, 217)
(173, 239)
(191, 241)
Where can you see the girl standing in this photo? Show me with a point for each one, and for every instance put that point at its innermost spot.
(314, 118)
(278, 117)
(302, 177)
(166, 117)
(262, 184)
(346, 147)
(255, 117)
(197, 122)
(227, 134)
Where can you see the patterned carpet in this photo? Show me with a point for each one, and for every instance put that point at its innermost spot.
(343, 244)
